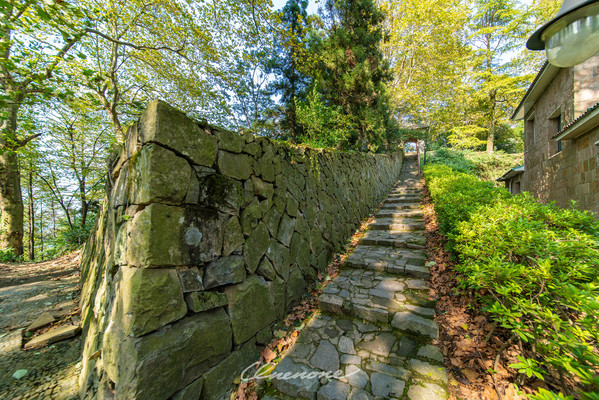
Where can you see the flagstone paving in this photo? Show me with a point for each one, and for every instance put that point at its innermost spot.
(376, 322)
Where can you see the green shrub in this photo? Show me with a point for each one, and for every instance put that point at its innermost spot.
(452, 158)
(7, 255)
(487, 166)
(538, 266)
(535, 268)
(457, 195)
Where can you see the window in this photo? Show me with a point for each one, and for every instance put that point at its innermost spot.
(529, 130)
(556, 120)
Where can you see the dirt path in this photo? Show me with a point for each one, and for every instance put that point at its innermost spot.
(26, 291)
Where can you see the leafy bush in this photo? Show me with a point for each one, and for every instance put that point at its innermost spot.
(324, 125)
(535, 268)
(7, 255)
(487, 166)
(458, 195)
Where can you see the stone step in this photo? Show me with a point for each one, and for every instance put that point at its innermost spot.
(379, 297)
(404, 196)
(400, 207)
(373, 361)
(400, 213)
(395, 201)
(401, 240)
(396, 225)
(388, 259)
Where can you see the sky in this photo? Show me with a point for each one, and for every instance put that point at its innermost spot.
(312, 5)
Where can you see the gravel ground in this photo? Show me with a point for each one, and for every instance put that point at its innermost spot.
(27, 290)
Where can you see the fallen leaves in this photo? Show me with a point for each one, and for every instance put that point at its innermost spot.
(464, 329)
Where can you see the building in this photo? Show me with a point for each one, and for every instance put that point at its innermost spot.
(561, 136)
(513, 179)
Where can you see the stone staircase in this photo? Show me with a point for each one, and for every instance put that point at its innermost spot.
(377, 322)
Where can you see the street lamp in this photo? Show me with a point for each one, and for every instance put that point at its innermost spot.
(572, 36)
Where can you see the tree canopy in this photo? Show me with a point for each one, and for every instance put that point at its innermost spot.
(359, 75)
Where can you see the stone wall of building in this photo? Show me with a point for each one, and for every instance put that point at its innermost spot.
(586, 85)
(206, 240)
(569, 174)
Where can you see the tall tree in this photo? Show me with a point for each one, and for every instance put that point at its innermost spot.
(497, 27)
(351, 72)
(429, 58)
(289, 62)
(35, 39)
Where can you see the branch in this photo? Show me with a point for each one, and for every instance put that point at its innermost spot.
(135, 46)
(52, 66)
(23, 142)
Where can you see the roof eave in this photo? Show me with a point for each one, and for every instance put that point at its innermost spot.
(536, 88)
(511, 173)
(580, 127)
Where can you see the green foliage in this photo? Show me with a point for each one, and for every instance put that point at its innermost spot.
(487, 166)
(323, 125)
(351, 72)
(534, 267)
(457, 196)
(71, 238)
(7, 255)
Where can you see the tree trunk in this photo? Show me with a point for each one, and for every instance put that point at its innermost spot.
(41, 230)
(491, 136)
(11, 201)
(31, 215)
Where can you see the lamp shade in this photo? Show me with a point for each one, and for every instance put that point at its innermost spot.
(572, 36)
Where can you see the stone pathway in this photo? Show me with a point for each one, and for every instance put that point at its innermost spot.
(376, 321)
(26, 291)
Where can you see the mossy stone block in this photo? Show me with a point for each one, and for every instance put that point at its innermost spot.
(222, 193)
(204, 301)
(157, 365)
(279, 256)
(224, 271)
(157, 175)
(237, 166)
(170, 127)
(249, 308)
(232, 236)
(256, 246)
(156, 237)
(229, 141)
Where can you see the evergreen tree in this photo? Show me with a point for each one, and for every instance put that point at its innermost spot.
(351, 71)
(288, 62)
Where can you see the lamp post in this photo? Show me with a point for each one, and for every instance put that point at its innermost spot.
(572, 36)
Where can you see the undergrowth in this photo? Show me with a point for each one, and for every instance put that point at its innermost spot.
(534, 268)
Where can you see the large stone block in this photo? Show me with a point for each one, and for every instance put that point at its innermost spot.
(162, 235)
(237, 166)
(224, 271)
(204, 301)
(249, 307)
(157, 175)
(203, 235)
(279, 256)
(222, 193)
(158, 365)
(229, 141)
(255, 246)
(156, 237)
(296, 287)
(286, 228)
(218, 381)
(164, 124)
(151, 299)
(232, 236)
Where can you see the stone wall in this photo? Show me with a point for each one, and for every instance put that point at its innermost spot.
(207, 238)
(572, 173)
